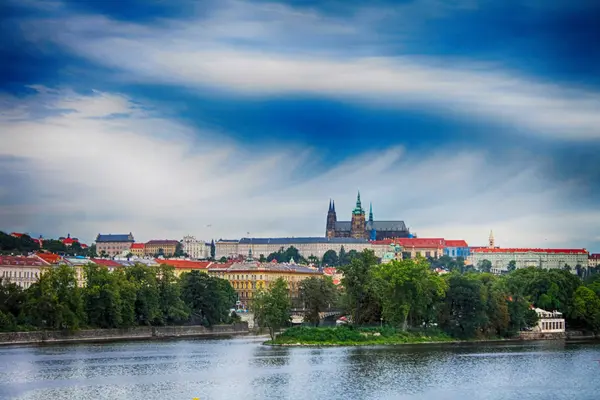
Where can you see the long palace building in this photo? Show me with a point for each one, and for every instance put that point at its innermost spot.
(361, 228)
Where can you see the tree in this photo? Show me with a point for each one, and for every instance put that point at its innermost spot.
(330, 258)
(262, 258)
(223, 259)
(147, 308)
(54, 246)
(102, 297)
(408, 290)
(586, 308)
(213, 249)
(485, 266)
(17, 245)
(55, 300)
(276, 307)
(284, 256)
(317, 295)
(512, 265)
(352, 254)
(12, 300)
(91, 251)
(179, 250)
(463, 311)
(208, 299)
(343, 257)
(312, 259)
(171, 305)
(362, 300)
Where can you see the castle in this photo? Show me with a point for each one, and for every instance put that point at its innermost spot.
(361, 228)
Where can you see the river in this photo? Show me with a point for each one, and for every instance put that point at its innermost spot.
(241, 368)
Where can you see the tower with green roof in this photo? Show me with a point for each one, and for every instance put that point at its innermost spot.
(358, 222)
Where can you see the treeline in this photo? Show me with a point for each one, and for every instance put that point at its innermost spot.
(133, 296)
(409, 294)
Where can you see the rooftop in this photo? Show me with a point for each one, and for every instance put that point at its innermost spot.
(300, 240)
(22, 261)
(105, 262)
(114, 238)
(50, 258)
(138, 246)
(529, 250)
(414, 242)
(456, 243)
(254, 266)
(161, 242)
(185, 264)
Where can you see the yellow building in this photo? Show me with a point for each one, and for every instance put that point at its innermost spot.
(249, 276)
(182, 266)
(138, 249)
(161, 247)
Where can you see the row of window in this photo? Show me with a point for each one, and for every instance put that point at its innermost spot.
(25, 274)
(553, 325)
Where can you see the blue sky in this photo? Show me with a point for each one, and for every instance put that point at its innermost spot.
(218, 118)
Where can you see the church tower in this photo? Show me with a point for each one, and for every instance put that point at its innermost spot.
(331, 220)
(358, 223)
(491, 240)
(371, 225)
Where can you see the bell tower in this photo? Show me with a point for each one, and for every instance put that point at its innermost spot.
(491, 240)
(358, 223)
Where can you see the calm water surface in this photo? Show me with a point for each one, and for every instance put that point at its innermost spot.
(244, 369)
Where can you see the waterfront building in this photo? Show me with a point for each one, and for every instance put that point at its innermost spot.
(248, 276)
(456, 248)
(160, 247)
(549, 322)
(194, 248)
(307, 246)
(78, 264)
(360, 228)
(411, 247)
(112, 245)
(529, 257)
(21, 270)
(138, 249)
(594, 260)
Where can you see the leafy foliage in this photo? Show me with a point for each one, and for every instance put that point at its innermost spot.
(272, 307)
(317, 295)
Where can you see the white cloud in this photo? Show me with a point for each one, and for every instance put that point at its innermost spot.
(88, 174)
(242, 48)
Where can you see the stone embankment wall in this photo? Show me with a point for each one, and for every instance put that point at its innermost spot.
(108, 335)
(542, 336)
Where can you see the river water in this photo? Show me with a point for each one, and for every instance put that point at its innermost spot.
(241, 368)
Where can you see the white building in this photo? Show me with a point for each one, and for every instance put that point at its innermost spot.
(23, 271)
(594, 260)
(524, 258)
(549, 322)
(194, 248)
(307, 246)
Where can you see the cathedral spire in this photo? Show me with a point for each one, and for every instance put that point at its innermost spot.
(330, 209)
(358, 210)
(333, 206)
(370, 212)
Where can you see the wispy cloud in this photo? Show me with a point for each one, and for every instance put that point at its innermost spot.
(235, 50)
(91, 173)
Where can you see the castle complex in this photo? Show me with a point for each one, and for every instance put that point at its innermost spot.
(361, 228)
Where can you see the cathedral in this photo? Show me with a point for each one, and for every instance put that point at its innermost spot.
(361, 228)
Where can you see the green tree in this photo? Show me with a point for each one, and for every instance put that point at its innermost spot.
(54, 246)
(276, 307)
(91, 251)
(172, 307)
(179, 250)
(408, 291)
(213, 249)
(262, 258)
(586, 308)
(147, 306)
(102, 297)
(362, 300)
(343, 257)
(463, 311)
(12, 301)
(330, 258)
(317, 294)
(208, 299)
(484, 266)
(17, 245)
(55, 301)
(223, 259)
(312, 259)
(512, 265)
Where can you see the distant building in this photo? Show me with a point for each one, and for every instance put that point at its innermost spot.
(594, 260)
(194, 248)
(411, 247)
(307, 246)
(163, 247)
(68, 241)
(112, 245)
(456, 248)
(528, 257)
(138, 249)
(248, 276)
(23, 271)
(182, 266)
(361, 228)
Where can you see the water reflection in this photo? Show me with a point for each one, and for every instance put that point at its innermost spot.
(243, 368)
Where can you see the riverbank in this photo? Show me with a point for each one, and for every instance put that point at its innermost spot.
(119, 335)
(345, 336)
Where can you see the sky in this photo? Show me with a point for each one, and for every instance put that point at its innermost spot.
(234, 118)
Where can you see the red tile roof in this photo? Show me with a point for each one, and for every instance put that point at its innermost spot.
(529, 250)
(50, 258)
(162, 242)
(414, 242)
(329, 271)
(138, 246)
(185, 264)
(456, 243)
(17, 235)
(225, 265)
(105, 262)
(22, 261)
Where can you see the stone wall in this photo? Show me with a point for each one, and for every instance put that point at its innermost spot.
(542, 336)
(107, 335)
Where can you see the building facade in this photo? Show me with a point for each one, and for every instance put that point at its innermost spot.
(20, 270)
(525, 257)
(194, 248)
(360, 228)
(549, 322)
(249, 276)
(160, 247)
(594, 260)
(112, 245)
(138, 249)
(307, 246)
(456, 248)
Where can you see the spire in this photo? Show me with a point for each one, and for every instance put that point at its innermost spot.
(491, 241)
(358, 210)
(330, 209)
(370, 212)
(358, 205)
(333, 206)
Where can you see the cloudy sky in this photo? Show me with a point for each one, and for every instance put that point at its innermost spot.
(219, 118)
